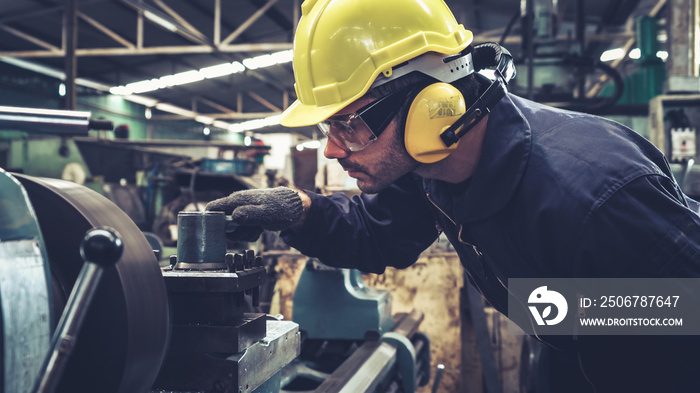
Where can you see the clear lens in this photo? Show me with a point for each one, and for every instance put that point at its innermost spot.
(351, 134)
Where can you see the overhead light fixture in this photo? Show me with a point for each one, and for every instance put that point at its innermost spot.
(143, 100)
(204, 119)
(175, 109)
(160, 21)
(222, 70)
(268, 60)
(255, 124)
(181, 78)
(612, 54)
(215, 71)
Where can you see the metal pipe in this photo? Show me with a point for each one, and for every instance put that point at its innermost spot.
(50, 121)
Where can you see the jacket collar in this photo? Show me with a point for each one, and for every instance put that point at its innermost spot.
(503, 160)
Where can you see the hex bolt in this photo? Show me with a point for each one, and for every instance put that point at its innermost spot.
(249, 257)
(238, 262)
(229, 263)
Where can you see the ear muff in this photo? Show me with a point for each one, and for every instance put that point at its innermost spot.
(432, 111)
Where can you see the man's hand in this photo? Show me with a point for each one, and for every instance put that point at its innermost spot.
(273, 209)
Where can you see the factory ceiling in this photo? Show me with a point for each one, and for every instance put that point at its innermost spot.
(126, 41)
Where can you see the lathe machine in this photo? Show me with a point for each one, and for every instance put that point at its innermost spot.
(87, 307)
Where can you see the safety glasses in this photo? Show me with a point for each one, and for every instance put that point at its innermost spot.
(354, 131)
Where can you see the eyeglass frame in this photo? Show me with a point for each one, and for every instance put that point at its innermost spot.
(390, 105)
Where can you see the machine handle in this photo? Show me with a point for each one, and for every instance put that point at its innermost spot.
(100, 249)
(438, 376)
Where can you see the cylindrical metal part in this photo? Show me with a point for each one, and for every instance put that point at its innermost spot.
(50, 121)
(201, 239)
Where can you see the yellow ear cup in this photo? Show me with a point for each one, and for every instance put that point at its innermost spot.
(433, 110)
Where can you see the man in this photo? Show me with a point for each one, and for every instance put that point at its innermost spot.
(520, 189)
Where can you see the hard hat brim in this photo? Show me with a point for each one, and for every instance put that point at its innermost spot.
(300, 115)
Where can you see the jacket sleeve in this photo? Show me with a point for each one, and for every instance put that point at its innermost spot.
(367, 232)
(647, 228)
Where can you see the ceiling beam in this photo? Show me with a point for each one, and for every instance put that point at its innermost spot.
(227, 116)
(155, 50)
(264, 102)
(249, 22)
(30, 38)
(106, 31)
(183, 22)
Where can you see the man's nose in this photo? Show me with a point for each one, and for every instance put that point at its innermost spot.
(333, 150)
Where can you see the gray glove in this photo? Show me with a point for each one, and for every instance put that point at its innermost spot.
(273, 209)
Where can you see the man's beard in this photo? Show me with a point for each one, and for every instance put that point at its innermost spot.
(395, 165)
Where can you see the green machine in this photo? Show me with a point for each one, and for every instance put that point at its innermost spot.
(339, 295)
(351, 342)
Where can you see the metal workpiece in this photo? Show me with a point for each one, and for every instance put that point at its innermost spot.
(212, 297)
(201, 240)
(50, 121)
(241, 372)
(214, 281)
(197, 338)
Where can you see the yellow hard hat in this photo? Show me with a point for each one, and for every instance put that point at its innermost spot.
(341, 46)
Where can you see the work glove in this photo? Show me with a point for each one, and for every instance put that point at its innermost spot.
(273, 209)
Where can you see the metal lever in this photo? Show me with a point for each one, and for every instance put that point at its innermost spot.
(100, 249)
(438, 376)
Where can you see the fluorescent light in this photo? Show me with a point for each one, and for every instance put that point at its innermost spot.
(238, 66)
(284, 56)
(612, 54)
(635, 53)
(217, 70)
(174, 109)
(662, 54)
(221, 124)
(181, 78)
(255, 124)
(160, 21)
(204, 119)
(143, 100)
(268, 60)
(144, 86)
